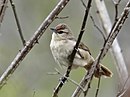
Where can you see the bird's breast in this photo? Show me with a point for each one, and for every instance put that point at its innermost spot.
(61, 50)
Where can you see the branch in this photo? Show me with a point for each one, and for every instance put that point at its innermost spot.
(102, 33)
(33, 40)
(71, 57)
(98, 86)
(17, 22)
(3, 6)
(116, 3)
(107, 44)
(116, 50)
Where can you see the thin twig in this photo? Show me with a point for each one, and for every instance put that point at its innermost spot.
(17, 22)
(97, 91)
(83, 4)
(116, 11)
(103, 35)
(33, 40)
(116, 8)
(3, 6)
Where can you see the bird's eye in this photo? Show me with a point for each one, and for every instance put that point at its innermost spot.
(60, 32)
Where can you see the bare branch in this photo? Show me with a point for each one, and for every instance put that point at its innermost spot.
(17, 22)
(116, 9)
(97, 91)
(103, 35)
(107, 44)
(116, 50)
(33, 40)
(3, 6)
(84, 4)
(71, 57)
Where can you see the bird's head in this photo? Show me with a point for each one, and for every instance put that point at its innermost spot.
(61, 31)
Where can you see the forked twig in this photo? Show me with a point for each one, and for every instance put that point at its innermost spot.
(103, 35)
(17, 22)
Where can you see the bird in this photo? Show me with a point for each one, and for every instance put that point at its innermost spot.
(62, 44)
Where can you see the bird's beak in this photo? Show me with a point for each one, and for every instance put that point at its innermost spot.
(53, 30)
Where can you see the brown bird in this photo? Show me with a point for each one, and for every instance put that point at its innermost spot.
(62, 44)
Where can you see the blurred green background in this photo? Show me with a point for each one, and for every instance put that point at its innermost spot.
(31, 78)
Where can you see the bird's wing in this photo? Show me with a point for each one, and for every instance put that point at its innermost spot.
(84, 47)
(83, 51)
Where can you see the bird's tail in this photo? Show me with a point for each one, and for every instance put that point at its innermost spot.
(103, 72)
